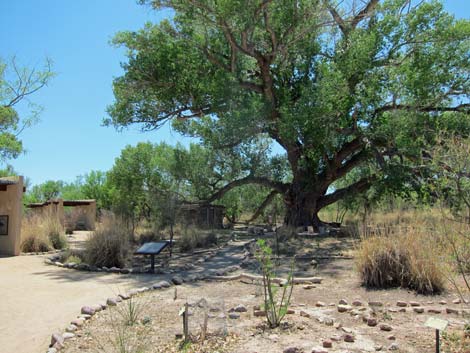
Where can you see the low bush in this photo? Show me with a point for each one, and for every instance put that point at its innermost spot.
(192, 238)
(109, 244)
(41, 233)
(408, 259)
(55, 232)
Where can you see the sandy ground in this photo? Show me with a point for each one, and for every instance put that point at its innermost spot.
(37, 299)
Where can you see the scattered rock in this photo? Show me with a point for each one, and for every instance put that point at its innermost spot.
(452, 311)
(292, 350)
(316, 280)
(336, 338)
(320, 304)
(327, 344)
(349, 338)
(234, 315)
(357, 303)
(87, 310)
(78, 322)
(84, 316)
(99, 306)
(371, 321)
(393, 347)
(344, 308)
(391, 338)
(343, 302)
(240, 308)
(415, 304)
(164, 284)
(402, 304)
(309, 286)
(115, 270)
(456, 301)
(290, 311)
(52, 350)
(376, 303)
(177, 280)
(111, 301)
(378, 347)
(57, 338)
(71, 328)
(402, 310)
(259, 313)
(434, 311)
(385, 327)
(443, 302)
(68, 335)
(418, 310)
(304, 313)
(124, 296)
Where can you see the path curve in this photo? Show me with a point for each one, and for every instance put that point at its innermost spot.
(37, 299)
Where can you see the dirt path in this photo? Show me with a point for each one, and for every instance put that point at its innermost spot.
(37, 299)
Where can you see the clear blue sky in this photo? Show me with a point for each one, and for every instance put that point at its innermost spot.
(69, 140)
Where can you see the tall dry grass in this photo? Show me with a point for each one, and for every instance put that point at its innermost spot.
(403, 250)
(192, 238)
(109, 245)
(42, 233)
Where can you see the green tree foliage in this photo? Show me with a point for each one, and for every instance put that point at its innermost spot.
(17, 84)
(341, 87)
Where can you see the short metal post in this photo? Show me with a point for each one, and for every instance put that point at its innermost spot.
(438, 349)
(152, 263)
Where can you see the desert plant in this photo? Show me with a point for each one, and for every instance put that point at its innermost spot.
(402, 258)
(41, 233)
(55, 232)
(120, 337)
(109, 245)
(275, 309)
(192, 238)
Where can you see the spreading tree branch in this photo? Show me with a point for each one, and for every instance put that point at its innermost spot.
(357, 187)
(280, 187)
(263, 205)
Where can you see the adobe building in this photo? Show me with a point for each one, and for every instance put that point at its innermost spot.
(49, 209)
(71, 214)
(11, 211)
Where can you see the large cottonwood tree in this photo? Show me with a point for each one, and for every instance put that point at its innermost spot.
(342, 87)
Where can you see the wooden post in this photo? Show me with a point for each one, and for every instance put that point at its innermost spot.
(152, 263)
(185, 322)
(438, 348)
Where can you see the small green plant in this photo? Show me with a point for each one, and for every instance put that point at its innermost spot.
(275, 309)
(130, 312)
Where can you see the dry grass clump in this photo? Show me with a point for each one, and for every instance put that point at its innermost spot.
(192, 238)
(402, 258)
(41, 233)
(109, 245)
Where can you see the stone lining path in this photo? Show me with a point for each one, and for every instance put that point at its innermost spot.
(38, 299)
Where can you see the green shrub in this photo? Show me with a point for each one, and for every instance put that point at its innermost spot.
(109, 245)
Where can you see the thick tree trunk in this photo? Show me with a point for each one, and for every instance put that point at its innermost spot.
(301, 207)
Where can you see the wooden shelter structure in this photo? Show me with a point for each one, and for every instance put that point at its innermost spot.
(203, 215)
